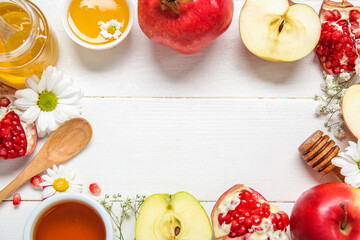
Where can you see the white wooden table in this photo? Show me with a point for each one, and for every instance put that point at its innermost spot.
(165, 122)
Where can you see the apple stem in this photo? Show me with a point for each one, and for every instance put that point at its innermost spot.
(345, 221)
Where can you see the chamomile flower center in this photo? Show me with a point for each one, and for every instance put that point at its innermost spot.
(358, 163)
(47, 101)
(61, 185)
(111, 29)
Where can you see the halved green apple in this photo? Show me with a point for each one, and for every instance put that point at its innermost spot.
(172, 217)
(279, 30)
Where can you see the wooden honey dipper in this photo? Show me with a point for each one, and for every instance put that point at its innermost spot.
(318, 151)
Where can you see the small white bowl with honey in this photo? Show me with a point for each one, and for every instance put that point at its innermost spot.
(98, 24)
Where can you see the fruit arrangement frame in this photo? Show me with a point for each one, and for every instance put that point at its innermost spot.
(166, 122)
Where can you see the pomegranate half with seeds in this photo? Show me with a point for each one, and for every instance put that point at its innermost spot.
(243, 214)
(339, 45)
(17, 138)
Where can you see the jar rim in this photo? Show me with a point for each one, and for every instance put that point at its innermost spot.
(33, 34)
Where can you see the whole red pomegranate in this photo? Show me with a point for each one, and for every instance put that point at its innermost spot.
(187, 26)
(17, 138)
(339, 45)
(243, 214)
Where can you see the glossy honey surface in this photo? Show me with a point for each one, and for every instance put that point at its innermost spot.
(70, 221)
(84, 17)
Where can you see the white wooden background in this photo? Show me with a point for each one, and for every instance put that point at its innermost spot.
(165, 122)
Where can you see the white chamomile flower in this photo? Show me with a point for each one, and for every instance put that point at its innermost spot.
(349, 162)
(110, 29)
(59, 180)
(49, 101)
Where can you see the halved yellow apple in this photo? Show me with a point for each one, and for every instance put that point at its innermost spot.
(172, 217)
(279, 30)
(351, 109)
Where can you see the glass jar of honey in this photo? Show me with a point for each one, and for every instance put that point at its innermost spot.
(31, 48)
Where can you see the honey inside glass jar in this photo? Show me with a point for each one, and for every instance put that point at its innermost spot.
(31, 48)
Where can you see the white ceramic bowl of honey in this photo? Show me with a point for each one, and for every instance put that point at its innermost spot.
(82, 21)
(68, 216)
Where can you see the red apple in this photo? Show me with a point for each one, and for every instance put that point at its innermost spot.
(187, 26)
(329, 211)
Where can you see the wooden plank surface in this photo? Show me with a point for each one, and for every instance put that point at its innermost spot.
(165, 122)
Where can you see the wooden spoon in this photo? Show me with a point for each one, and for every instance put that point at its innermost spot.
(68, 140)
(6, 30)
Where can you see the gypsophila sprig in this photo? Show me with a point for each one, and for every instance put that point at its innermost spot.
(127, 208)
(334, 89)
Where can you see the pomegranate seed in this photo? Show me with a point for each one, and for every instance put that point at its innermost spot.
(326, 26)
(232, 235)
(334, 63)
(280, 226)
(228, 219)
(319, 51)
(329, 16)
(338, 55)
(6, 121)
(336, 70)
(354, 15)
(256, 220)
(354, 23)
(4, 102)
(241, 220)
(236, 214)
(328, 64)
(235, 225)
(248, 222)
(16, 199)
(35, 181)
(343, 23)
(242, 231)
(336, 35)
(344, 40)
(94, 188)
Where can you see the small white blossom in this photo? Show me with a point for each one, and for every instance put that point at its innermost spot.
(336, 106)
(339, 133)
(332, 92)
(329, 78)
(323, 86)
(345, 75)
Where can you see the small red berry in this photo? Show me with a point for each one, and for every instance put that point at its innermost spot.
(94, 188)
(35, 181)
(16, 199)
